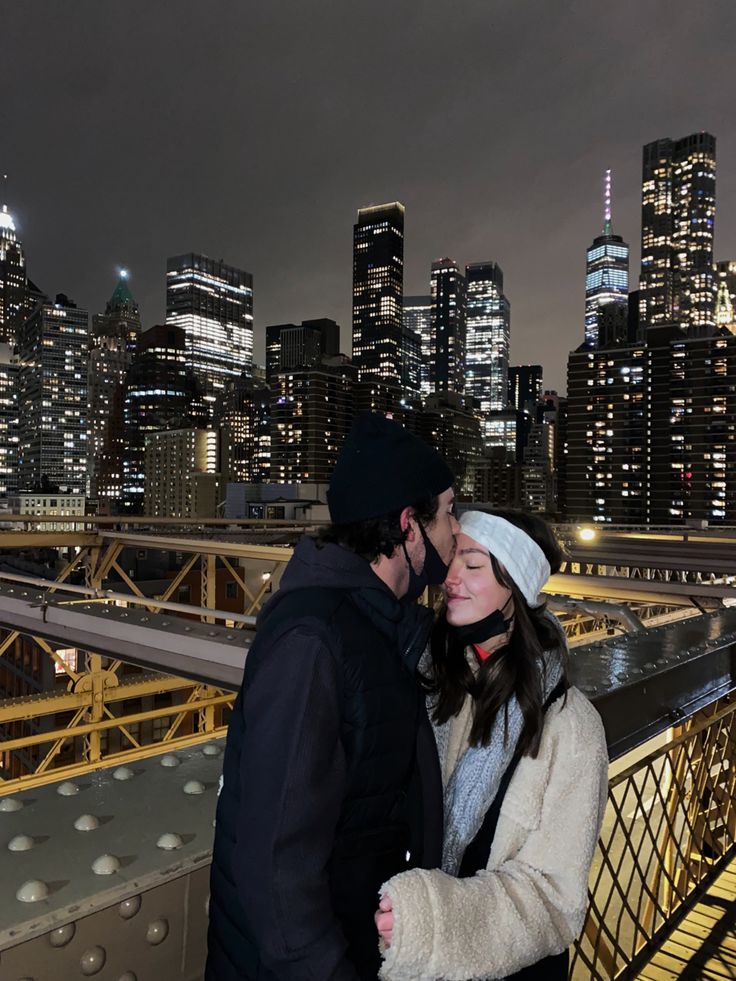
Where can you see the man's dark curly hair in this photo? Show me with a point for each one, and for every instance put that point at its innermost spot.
(377, 536)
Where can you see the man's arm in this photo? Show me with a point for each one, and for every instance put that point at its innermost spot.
(292, 773)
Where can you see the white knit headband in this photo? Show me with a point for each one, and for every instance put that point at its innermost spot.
(519, 554)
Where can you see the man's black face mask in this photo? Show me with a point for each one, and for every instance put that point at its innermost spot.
(434, 572)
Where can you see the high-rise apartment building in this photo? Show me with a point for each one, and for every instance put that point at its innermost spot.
(606, 273)
(447, 361)
(677, 283)
(113, 343)
(311, 412)
(525, 386)
(417, 317)
(448, 423)
(160, 393)
(651, 430)
(378, 289)
(488, 337)
(291, 346)
(183, 478)
(212, 303)
(53, 351)
(607, 434)
(245, 428)
(692, 428)
(726, 295)
(13, 281)
(8, 420)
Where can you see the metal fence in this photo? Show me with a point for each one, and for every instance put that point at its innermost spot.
(670, 829)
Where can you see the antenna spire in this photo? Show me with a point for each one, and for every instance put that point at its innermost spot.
(607, 226)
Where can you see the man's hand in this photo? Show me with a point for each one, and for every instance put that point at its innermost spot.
(385, 919)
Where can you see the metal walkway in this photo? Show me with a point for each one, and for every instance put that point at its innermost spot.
(703, 947)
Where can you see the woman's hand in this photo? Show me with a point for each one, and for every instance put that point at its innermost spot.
(385, 919)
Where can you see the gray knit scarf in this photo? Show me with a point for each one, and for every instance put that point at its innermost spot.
(474, 782)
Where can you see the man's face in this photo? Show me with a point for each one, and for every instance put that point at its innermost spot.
(441, 532)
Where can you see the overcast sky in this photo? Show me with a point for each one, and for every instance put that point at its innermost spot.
(252, 131)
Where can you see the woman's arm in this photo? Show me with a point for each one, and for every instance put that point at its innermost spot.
(533, 904)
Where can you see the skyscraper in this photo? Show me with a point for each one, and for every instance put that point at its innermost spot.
(52, 396)
(525, 386)
(13, 281)
(726, 295)
(297, 346)
(378, 288)
(488, 337)
(213, 304)
(606, 273)
(312, 408)
(160, 392)
(113, 343)
(417, 317)
(8, 421)
(447, 361)
(677, 283)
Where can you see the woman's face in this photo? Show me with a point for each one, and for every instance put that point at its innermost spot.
(471, 589)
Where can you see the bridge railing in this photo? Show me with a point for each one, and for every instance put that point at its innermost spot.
(669, 831)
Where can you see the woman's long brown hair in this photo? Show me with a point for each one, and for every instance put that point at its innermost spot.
(512, 670)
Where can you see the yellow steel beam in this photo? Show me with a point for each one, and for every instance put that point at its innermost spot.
(56, 748)
(69, 568)
(180, 576)
(45, 646)
(126, 579)
(97, 726)
(103, 568)
(12, 636)
(267, 553)
(35, 706)
(131, 739)
(17, 784)
(46, 539)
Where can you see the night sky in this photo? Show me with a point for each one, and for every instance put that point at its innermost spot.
(252, 131)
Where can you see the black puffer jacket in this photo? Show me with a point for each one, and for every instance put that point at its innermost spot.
(330, 777)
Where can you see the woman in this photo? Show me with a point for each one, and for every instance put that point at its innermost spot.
(524, 766)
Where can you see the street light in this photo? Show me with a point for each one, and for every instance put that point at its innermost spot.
(587, 534)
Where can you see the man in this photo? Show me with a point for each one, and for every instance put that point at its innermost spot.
(331, 779)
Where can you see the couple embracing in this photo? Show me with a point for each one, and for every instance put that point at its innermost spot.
(406, 795)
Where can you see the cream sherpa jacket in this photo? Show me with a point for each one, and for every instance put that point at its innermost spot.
(530, 902)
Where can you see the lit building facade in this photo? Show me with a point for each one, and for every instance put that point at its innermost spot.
(692, 423)
(607, 434)
(245, 430)
(447, 361)
(311, 412)
(13, 281)
(212, 303)
(290, 346)
(113, 343)
(411, 363)
(8, 420)
(677, 282)
(606, 273)
(417, 317)
(525, 386)
(448, 423)
(183, 477)
(378, 289)
(726, 295)
(53, 352)
(160, 393)
(488, 337)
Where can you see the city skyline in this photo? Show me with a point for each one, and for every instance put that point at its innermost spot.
(277, 196)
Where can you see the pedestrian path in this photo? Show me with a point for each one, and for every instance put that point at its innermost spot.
(703, 947)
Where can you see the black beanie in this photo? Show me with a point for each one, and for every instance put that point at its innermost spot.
(383, 468)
